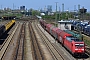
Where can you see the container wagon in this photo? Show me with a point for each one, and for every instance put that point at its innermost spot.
(10, 24)
(77, 35)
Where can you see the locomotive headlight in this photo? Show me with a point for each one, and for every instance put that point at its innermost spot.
(76, 49)
(82, 49)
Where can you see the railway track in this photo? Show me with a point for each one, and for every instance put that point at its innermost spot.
(20, 48)
(10, 52)
(6, 44)
(56, 55)
(3, 38)
(27, 44)
(88, 50)
(37, 55)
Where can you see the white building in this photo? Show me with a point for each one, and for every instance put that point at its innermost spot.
(64, 25)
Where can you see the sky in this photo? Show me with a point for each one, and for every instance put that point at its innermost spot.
(38, 4)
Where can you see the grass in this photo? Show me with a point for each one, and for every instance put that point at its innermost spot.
(12, 14)
(86, 40)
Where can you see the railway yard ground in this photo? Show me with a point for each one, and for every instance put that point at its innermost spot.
(27, 40)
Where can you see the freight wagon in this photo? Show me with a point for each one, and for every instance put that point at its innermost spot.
(77, 35)
(10, 24)
(4, 28)
(87, 30)
(43, 23)
(8, 17)
(81, 26)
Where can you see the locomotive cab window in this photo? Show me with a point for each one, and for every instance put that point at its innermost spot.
(69, 38)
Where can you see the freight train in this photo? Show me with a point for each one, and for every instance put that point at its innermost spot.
(74, 45)
(4, 28)
(8, 17)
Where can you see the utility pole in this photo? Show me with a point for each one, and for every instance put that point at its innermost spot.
(18, 11)
(68, 14)
(59, 13)
(1, 7)
(62, 7)
(56, 14)
(78, 11)
(1, 11)
(13, 8)
(62, 11)
(74, 11)
(56, 19)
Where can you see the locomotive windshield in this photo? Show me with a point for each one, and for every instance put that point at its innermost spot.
(71, 38)
(79, 45)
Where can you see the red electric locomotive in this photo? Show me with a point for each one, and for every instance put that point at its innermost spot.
(74, 45)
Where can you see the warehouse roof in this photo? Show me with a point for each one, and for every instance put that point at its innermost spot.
(65, 21)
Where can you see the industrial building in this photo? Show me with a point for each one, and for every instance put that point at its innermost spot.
(64, 25)
(22, 7)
